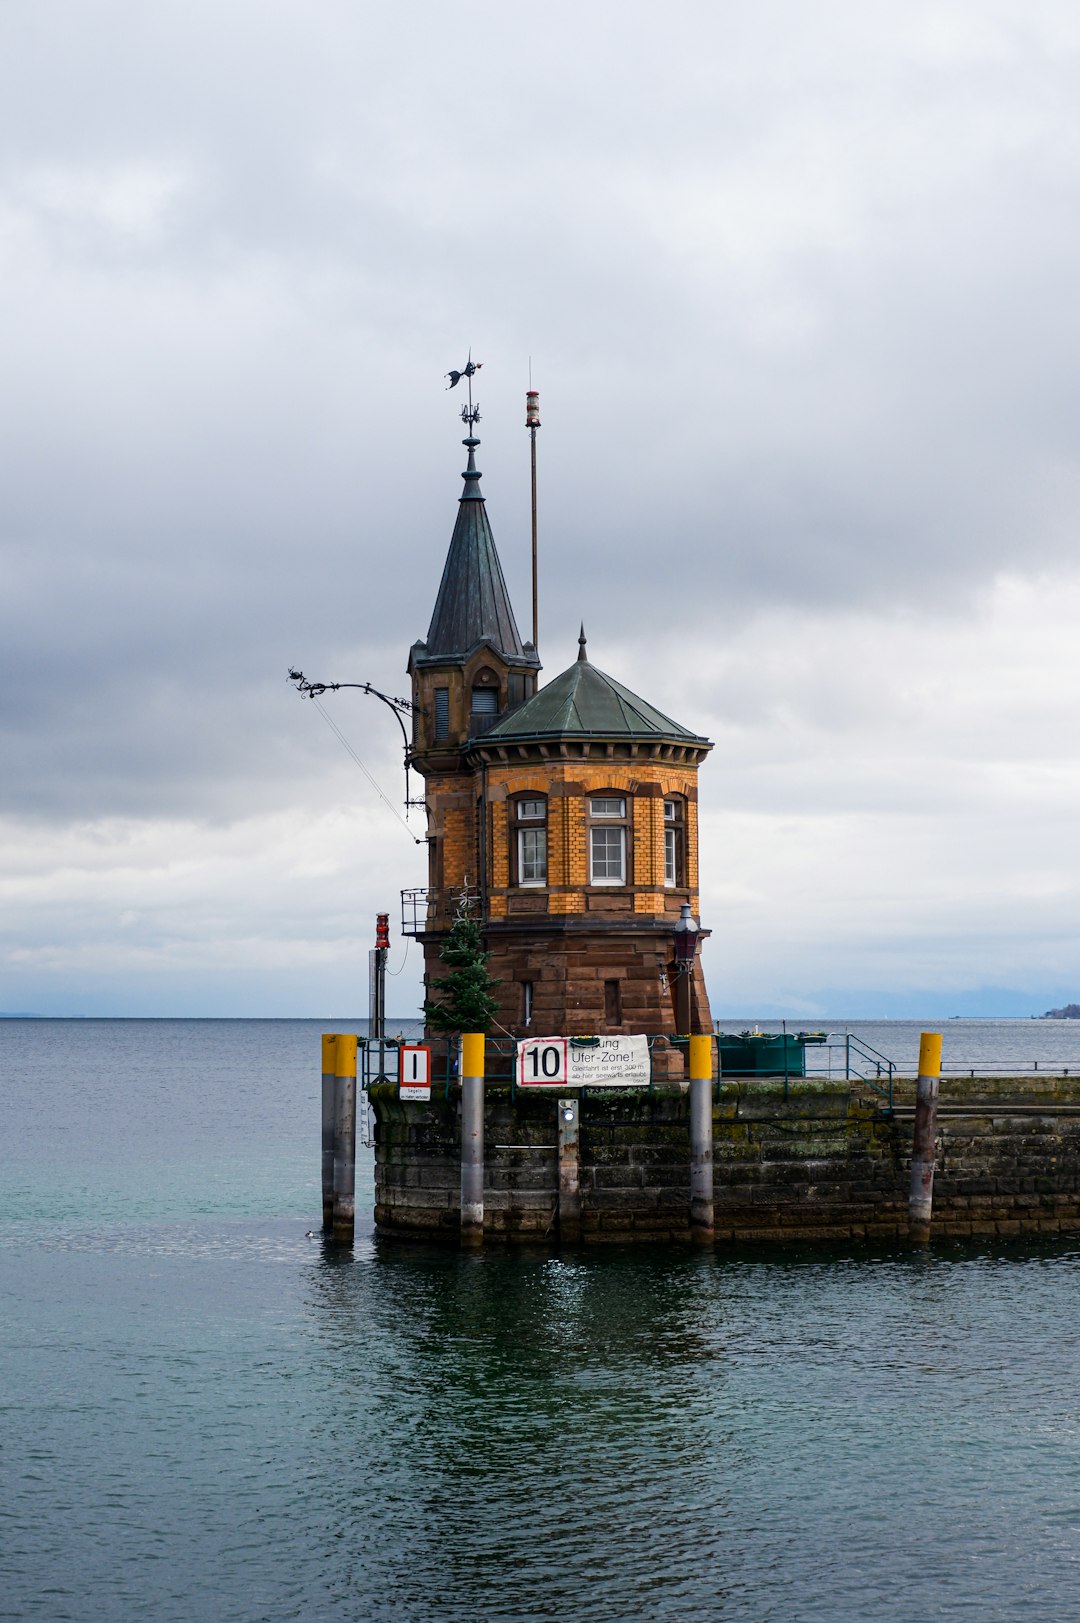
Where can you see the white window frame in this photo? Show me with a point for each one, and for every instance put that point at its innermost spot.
(530, 820)
(619, 845)
(607, 814)
(674, 826)
(538, 835)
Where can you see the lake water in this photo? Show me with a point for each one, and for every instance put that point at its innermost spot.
(207, 1414)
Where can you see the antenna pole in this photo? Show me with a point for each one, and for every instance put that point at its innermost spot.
(532, 423)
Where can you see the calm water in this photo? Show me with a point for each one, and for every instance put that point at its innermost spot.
(207, 1415)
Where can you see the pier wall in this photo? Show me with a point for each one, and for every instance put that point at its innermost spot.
(813, 1161)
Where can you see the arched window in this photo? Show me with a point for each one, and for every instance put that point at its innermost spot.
(609, 827)
(528, 839)
(484, 703)
(674, 841)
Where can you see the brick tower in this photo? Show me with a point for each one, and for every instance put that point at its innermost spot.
(564, 818)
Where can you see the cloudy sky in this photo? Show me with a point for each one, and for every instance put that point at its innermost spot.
(798, 281)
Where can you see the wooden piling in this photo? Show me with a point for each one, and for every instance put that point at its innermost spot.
(569, 1173)
(472, 1139)
(344, 1139)
(329, 1048)
(921, 1191)
(701, 1141)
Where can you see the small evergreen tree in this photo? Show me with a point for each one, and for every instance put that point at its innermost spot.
(464, 1001)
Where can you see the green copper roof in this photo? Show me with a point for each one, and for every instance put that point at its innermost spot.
(473, 605)
(585, 702)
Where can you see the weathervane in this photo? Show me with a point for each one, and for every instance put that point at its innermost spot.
(470, 414)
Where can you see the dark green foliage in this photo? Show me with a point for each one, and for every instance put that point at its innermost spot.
(463, 1001)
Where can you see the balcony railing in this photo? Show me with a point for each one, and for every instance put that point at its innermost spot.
(425, 909)
(414, 910)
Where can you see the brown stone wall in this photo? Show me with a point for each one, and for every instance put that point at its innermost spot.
(568, 973)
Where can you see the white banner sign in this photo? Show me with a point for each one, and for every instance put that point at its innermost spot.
(603, 1062)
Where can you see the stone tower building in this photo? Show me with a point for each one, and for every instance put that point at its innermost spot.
(565, 818)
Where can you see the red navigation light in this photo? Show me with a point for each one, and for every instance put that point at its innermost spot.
(382, 930)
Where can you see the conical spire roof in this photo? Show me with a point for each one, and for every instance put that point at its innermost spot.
(473, 605)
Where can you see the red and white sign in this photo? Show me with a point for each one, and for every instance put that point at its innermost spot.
(414, 1073)
(587, 1062)
(542, 1062)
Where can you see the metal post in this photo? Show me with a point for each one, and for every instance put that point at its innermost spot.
(344, 1138)
(701, 1140)
(535, 593)
(329, 1046)
(921, 1193)
(472, 1139)
(532, 423)
(569, 1173)
(683, 973)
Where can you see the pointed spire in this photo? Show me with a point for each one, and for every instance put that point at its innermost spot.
(473, 604)
(581, 654)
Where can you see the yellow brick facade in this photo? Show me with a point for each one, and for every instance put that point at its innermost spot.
(618, 933)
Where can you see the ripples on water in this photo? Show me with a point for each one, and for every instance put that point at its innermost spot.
(208, 1415)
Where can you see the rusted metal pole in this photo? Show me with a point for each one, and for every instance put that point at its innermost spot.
(701, 1141)
(472, 1139)
(569, 1173)
(921, 1192)
(344, 1138)
(329, 1047)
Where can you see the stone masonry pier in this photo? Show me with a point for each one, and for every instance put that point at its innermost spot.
(812, 1160)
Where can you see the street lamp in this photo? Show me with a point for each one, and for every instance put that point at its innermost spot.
(686, 934)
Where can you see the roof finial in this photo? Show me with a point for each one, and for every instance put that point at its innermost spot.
(470, 414)
(581, 654)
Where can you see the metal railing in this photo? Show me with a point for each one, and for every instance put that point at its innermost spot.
(862, 1063)
(849, 1059)
(416, 906)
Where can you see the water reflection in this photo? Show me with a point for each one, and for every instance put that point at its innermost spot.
(533, 1414)
(672, 1434)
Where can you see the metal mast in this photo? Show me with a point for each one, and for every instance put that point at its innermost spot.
(532, 423)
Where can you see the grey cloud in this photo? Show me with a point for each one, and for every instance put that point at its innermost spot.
(798, 285)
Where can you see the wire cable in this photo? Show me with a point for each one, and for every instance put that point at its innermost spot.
(336, 730)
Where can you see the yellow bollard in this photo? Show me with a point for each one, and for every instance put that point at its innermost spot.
(472, 1138)
(344, 1138)
(701, 1140)
(921, 1189)
(329, 1062)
